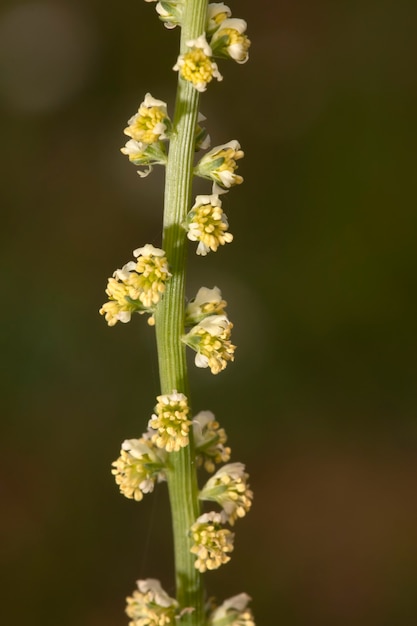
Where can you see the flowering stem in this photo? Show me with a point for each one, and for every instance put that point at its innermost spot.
(169, 320)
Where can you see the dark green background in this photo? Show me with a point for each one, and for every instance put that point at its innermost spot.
(321, 400)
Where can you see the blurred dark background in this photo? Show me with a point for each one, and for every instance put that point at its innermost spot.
(321, 401)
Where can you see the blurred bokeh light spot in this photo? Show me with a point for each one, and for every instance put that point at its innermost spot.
(47, 51)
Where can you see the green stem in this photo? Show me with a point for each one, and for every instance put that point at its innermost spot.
(169, 318)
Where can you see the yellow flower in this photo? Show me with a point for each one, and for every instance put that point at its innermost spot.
(150, 123)
(138, 467)
(208, 224)
(233, 612)
(209, 441)
(212, 543)
(211, 340)
(229, 40)
(217, 12)
(196, 66)
(171, 422)
(228, 487)
(206, 302)
(150, 605)
(137, 286)
(219, 164)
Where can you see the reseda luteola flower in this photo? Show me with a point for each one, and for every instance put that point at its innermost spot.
(219, 165)
(138, 467)
(176, 444)
(147, 129)
(150, 605)
(197, 66)
(206, 302)
(137, 286)
(209, 440)
(228, 487)
(210, 338)
(171, 422)
(212, 543)
(233, 612)
(210, 331)
(207, 224)
(229, 40)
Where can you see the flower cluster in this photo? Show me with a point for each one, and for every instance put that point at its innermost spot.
(150, 605)
(207, 224)
(171, 422)
(209, 440)
(196, 66)
(212, 543)
(233, 612)
(138, 467)
(211, 341)
(210, 333)
(228, 487)
(147, 129)
(137, 286)
(230, 41)
(224, 37)
(219, 165)
(207, 302)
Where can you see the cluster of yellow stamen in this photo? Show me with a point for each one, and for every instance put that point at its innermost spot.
(211, 340)
(229, 488)
(229, 40)
(233, 612)
(212, 542)
(137, 468)
(138, 286)
(150, 605)
(119, 308)
(208, 224)
(149, 124)
(171, 422)
(219, 164)
(207, 302)
(209, 441)
(197, 66)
